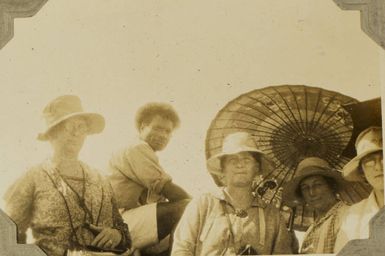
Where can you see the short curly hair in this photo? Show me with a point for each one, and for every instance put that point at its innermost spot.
(146, 113)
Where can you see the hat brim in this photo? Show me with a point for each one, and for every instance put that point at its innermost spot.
(350, 171)
(214, 163)
(95, 122)
(289, 194)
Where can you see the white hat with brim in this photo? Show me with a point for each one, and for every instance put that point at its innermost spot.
(66, 107)
(233, 144)
(311, 166)
(369, 141)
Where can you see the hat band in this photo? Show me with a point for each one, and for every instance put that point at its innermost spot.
(313, 168)
(57, 115)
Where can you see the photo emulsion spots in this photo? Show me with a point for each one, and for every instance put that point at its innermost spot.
(191, 128)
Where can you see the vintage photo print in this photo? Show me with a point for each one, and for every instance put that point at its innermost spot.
(191, 127)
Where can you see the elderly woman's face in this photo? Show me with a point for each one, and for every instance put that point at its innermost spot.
(240, 169)
(69, 136)
(374, 170)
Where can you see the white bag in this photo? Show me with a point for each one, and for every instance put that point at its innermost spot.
(91, 253)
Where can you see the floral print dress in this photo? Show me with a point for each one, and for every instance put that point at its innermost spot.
(58, 208)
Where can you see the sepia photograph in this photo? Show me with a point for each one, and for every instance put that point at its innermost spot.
(157, 128)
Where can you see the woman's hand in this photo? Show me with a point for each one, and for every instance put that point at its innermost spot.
(107, 237)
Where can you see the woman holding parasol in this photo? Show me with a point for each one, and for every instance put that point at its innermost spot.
(317, 185)
(290, 123)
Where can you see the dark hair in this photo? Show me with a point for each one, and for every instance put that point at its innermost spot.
(147, 112)
(332, 183)
(255, 155)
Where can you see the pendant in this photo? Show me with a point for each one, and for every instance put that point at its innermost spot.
(241, 213)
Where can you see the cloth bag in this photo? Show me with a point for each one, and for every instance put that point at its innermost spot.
(93, 253)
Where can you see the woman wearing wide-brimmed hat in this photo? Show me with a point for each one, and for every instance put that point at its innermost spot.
(233, 221)
(68, 205)
(367, 166)
(317, 185)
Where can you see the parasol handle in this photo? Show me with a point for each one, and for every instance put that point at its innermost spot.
(291, 219)
(268, 184)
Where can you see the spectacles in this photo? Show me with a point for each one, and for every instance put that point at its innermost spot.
(78, 127)
(243, 161)
(371, 162)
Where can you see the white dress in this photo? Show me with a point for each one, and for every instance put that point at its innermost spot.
(355, 224)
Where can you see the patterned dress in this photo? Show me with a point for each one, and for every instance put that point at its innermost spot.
(321, 235)
(58, 208)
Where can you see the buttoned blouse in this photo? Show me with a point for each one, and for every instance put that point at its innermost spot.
(210, 226)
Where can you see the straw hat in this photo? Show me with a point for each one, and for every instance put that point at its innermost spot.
(235, 143)
(368, 141)
(309, 167)
(65, 107)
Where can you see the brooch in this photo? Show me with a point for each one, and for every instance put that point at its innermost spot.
(241, 213)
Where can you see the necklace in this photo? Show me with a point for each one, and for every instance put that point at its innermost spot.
(56, 179)
(81, 198)
(241, 213)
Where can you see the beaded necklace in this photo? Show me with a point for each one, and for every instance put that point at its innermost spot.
(82, 204)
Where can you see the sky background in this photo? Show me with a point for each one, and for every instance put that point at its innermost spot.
(197, 55)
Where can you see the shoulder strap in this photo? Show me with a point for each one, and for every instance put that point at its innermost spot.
(262, 226)
(66, 206)
(261, 221)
